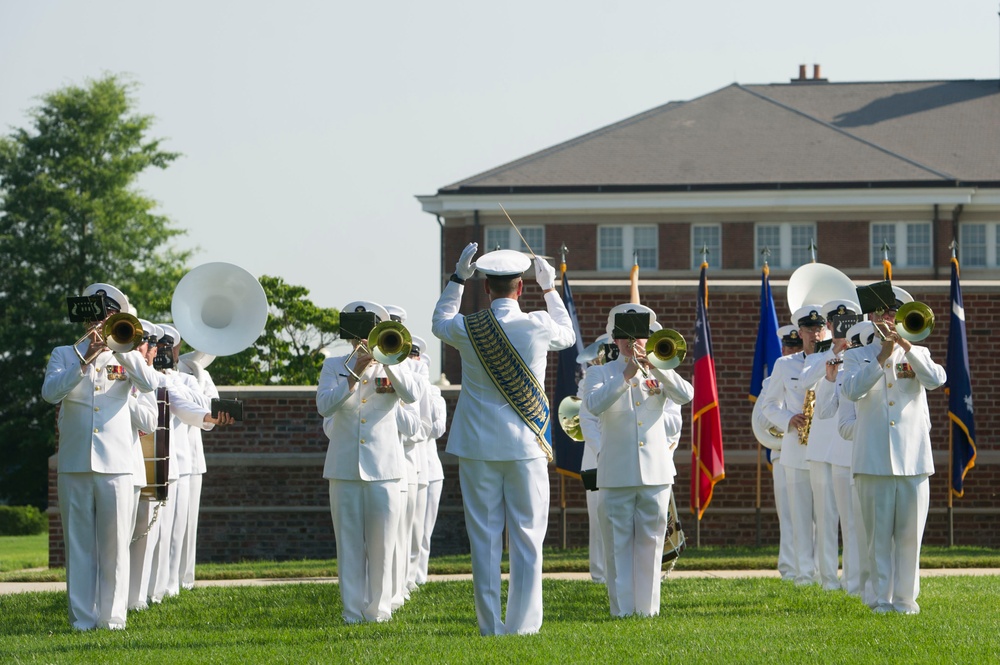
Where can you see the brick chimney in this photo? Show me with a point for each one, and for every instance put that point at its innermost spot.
(803, 77)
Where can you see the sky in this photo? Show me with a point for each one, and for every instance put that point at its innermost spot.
(307, 128)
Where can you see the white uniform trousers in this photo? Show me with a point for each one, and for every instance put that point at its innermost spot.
(401, 550)
(638, 520)
(895, 513)
(608, 537)
(800, 507)
(160, 564)
(190, 550)
(416, 536)
(842, 492)
(515, 493)
(430, 519)
(827, 523)
(365, 518)
(146, 537)
(181, 497)
(786, 549)
(863, 587)
(596, 544)
(95, 510)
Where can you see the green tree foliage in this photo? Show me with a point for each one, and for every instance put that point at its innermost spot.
(289, 351)
(70, 215)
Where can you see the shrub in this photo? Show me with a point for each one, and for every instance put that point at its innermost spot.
(22, 521)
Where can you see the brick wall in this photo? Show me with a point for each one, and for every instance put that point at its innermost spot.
(264, 495)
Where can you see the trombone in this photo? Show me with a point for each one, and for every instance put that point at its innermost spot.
(914, 322)
(388, 343)
(120, 332)
(665, 349)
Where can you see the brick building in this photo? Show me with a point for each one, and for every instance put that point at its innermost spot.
(849, 166)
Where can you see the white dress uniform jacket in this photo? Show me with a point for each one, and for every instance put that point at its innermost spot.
(361, 423)
(781, 401)
(484, 426)
(640, 422)
(892, 436)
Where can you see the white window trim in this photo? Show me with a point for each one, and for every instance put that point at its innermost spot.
(713, 261)
(990, 240)
(784, 250)
(513, 239)
(899, 245)
(628, 245)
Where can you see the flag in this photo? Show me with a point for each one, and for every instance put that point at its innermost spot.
(568, 453)
(707, 463)
(963, 426)
(768, 347)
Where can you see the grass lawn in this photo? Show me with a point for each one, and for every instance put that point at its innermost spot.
(21, 552)
(701, 621)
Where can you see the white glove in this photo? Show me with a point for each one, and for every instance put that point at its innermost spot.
(465, 268)
(545, 274)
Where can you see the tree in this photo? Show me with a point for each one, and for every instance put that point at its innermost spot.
(290, 350)
(70, 215)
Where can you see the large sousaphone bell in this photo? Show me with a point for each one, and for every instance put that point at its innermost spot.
(818, 284)
(219, 308)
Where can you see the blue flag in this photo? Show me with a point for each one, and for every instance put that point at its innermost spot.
(963, 426)
(768, 348)
(568, 453)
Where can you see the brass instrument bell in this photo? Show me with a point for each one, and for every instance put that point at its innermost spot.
(390, 342)
(914, 321)
(120, 332)
(665, 349)
(569, 417)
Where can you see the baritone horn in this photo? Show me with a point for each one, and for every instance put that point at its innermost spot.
(569, 417)
(120, 332)
(914, 321)
(665, 349)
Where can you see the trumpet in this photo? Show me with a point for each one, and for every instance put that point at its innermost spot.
(120, 332)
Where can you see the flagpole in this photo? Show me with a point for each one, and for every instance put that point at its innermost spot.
(697, 490)
(758, 495)
(562, 477)
(951, 477)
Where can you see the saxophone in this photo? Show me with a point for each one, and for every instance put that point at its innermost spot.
(807, 410)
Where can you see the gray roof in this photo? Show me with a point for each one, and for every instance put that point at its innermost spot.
(793, 135)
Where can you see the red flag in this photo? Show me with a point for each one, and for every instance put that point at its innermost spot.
(707, 464)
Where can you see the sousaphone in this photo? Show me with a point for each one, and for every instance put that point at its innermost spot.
(818, 284)
(219, 308)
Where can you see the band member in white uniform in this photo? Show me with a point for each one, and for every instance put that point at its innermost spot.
(435, 475)
(96, 462)
(358, 399)
(503, 456)
(417, 451)
(830, 463)
(828, 453)
(196, 364)
(640, 415)
(590, 427)
(856, 571)
(892, 456)
(783, 403)
(771, 437)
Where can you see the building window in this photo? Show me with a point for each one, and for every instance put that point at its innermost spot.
(616, 246)
(979, 244)
(505, 237)
(790, 244)
(909, 244)
(708, 237)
